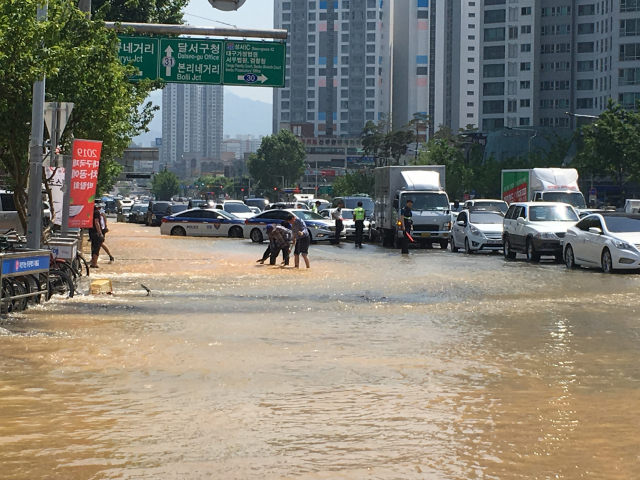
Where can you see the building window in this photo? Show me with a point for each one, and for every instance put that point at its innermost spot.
(628, 100)
(286, 6)
(344, 104)
(371, 82)
(284, 105)
(470, 92)
(471, 82)
(311, 39)
(525, 11)
(371, 37)
(422, 71)
(628, 76)
(495, 16)
(584, 84)
(471, 37)
(345, 37)
(512, 106)
(494, 53)
(344, 71)
(492, 106)
(470, 104)
(371, 26)
(312, 5)
(628, 28)
(629, 51)
(311, 94)
(513, 32)
(585, 66)
(585, 103)
(625, 6)
(423, 13)
(284, 116)
(525, 85)
(589, 28)
(525, 47)
(472, 15)
(471, 25)
(525, 29)
(491, 71)
(470, 70)
(370, 93)
(471, 59)
(311, 105)
(493, 89)
(469, 115)
(371, 70)
(311, 27)
(525, 102)
(494, 34)
(525, 66)
(524, 122)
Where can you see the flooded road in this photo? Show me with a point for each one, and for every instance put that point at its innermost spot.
(369, 365)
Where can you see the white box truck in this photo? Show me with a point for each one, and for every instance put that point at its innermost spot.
(424, 184)
(542, 185)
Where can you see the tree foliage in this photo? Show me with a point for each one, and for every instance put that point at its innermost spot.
(165, 185)
(80, 60)
(610, 146)
(353, 183)
(140, 11)
(218, 184)
(387, 147)
(279, 155)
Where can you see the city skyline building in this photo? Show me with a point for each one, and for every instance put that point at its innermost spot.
(192, 122)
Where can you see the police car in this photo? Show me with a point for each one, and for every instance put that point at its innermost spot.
(319, 227)
(203, 222)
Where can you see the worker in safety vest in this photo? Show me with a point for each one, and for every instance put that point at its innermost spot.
(358, 217)
(315, 207)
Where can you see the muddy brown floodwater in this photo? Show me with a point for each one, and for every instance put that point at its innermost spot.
(369, 365)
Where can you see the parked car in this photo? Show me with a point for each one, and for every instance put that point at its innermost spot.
(236, 208)
(487, 203)
(537, 229)
(477, 229)
(352, 202)
(138, 213)
(175, 208)
(123, 215)
(155, 212)
(198, 203)
(348, 222)
(201, 222)
(319, 227)
(261, 203)
(607, 240)
(255, 210)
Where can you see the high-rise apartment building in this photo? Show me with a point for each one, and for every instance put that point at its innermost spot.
(192, 121)
(338, 73)
(543, 58)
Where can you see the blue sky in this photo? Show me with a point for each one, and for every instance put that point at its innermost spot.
(253, 14)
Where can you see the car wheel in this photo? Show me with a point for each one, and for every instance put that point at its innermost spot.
(444, 244)
(467, 247)
(569, 258)
(607, 261)
(178, 232)
(532, 255)
(454, 249)
(256, 236)
(236, 232)
(508, 252)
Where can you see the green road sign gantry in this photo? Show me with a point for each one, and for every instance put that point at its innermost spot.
(204, 61)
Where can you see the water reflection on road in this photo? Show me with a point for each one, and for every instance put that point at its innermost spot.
(437, 366)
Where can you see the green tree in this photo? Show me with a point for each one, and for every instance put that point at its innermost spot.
(610, 146)
(140, 11)
(219, 184)
(80, 59)
(280, 157)
(387, 147)
(165, 185)
(353, 183)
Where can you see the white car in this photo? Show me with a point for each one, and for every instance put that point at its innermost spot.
(348, 222)
(319, 227)
(608, 240)
(487, 203)
(537, 229)
(477, 229)
(236, 208)
(202, 222)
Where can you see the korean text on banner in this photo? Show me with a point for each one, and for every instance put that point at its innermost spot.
(56, 181)
(84, 179)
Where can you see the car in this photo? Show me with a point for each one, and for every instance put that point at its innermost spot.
(537, 229)
(198, 203)
(176, 208)
(607, 240)
(352, 202)
(261, 203)
(255, 210)
(138, 213)
(477, 229)
(487, 203)
(202, 222)
(348, 222)
(319, 227)
(155, 212)
(236, 208)
(123, 215)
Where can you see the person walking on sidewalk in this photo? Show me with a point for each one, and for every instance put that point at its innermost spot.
(103, 224)
(301, 238)
(337, 216)
(358, 217)
(96, 236)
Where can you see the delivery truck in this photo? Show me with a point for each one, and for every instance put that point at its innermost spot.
(542, 185)
(431, 211)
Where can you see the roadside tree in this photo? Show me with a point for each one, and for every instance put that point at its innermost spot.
(157, 11)
(280, 157)
(165, 185)
(353, 183)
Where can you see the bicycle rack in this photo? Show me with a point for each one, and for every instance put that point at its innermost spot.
(21, 263)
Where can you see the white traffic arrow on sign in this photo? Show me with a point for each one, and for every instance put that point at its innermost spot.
(168, 61)
(262, 78)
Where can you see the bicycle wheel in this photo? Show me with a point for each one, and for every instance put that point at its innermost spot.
(60, 284)
(67, 268)
(80, 265)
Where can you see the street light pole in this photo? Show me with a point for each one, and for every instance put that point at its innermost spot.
(535, 134)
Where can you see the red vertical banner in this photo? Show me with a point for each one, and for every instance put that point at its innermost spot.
(84, 180)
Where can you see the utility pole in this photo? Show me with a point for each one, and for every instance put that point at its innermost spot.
(34, 191)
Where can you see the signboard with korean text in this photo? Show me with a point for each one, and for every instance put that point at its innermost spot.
(24, 264)
(254, 63)
(84, 179)
(55, 178)
(203, 61)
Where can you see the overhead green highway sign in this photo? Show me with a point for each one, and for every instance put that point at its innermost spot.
(204, 61)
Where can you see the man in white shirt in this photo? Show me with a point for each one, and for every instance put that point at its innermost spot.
(337, 216)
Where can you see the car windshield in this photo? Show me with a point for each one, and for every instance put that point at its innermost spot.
(427, 201)
(623, 224)
(552, 213)
(574, 199)
(308, 215)
(502, 205)
(486, 217)
(352, 203)
(178, 208)
(236, 208)
(160, 207)
(197, 203)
